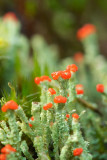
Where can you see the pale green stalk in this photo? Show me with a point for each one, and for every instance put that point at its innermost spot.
(25, 150)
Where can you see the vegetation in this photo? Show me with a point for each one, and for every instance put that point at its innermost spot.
(51, 109)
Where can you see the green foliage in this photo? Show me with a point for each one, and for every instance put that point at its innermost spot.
(64, 136)
(17, 72)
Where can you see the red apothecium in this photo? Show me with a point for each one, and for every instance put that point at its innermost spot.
(66, 74)
(100, 88)
(56, 75)
(67, 115)
(45, 78)
(51, 91)
(2, 156)
(85, 31)
(9, 105)
(30, 125)
(77, 151)
(7, 149)
(75, 115)
(79, 89)
(37, 80)
(32, 119)
(10, 16)
(47, 106)
(72, 68)
(60, 99)
(78, 57)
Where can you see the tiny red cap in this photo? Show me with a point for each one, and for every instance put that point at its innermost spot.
(100, 88)
(52, 91)
(9, 105)
(75, 115)
(67, 115)
(77, 151)
(85, 31)
(79, 89)
(60, 99)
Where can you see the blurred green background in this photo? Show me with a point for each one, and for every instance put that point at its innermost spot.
(44, 40)
(58, 20)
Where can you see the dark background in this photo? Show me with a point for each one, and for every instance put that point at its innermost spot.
(59, 20)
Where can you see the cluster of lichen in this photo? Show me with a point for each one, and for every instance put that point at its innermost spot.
(51, 127)
(44, 135)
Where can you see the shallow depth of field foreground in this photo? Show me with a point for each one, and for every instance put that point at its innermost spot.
(51, 108)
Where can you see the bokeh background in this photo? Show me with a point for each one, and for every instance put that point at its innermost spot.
(58, 20)
(42, 39)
